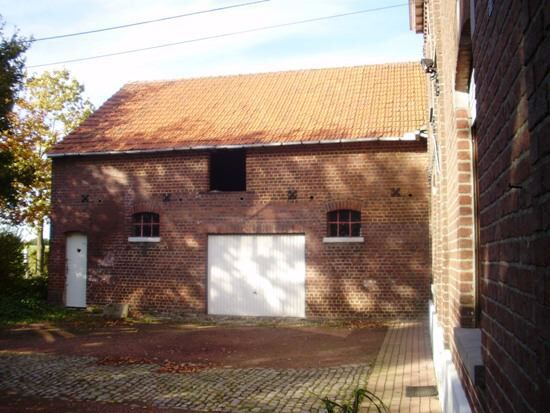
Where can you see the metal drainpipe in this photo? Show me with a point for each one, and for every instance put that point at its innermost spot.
(477, 267)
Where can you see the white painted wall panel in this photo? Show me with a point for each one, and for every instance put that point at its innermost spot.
(76, 270)
(452, 396)
(256, 275)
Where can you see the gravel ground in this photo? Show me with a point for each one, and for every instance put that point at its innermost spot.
(184, 367)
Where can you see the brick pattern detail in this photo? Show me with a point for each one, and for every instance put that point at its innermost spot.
(511, 53)
(452, 212)
(344, 204)
(170, 276)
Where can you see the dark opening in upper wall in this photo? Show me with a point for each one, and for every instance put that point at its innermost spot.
(228, 170)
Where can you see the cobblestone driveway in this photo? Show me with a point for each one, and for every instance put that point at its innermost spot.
(226, 390)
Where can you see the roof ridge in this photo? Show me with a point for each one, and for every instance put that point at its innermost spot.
(270, 72)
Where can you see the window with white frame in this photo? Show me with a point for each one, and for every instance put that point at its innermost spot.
(145, 227)
(344, 223)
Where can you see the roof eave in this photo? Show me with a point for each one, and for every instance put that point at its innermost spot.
(409, 136)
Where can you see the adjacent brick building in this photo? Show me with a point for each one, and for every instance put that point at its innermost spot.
(488, 65)
(199, 195)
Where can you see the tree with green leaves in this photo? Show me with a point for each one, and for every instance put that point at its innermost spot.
(49, 107)
(11, 257)
(12, 65)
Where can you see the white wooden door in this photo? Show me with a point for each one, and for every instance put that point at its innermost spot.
(76, 269)
(256, 275)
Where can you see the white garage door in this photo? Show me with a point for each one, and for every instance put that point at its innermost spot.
(256, 275)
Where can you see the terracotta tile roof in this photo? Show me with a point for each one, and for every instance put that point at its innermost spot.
(283, 107)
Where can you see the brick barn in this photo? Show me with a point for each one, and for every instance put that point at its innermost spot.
(300, 193)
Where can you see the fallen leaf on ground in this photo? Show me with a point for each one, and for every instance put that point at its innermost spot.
(123, 360)
(186, 367)
(166, 366)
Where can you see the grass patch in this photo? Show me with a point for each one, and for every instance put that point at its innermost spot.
(23, 301)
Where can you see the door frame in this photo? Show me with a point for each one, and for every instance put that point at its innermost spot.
(85, 264)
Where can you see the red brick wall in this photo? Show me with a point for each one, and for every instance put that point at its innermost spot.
(452, 211)
(511, 46)
(453, 231)
(509, 51)
(171, 275)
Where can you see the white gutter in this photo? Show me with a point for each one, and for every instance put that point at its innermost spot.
(411, 136)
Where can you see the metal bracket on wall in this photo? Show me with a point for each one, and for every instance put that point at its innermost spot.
(84, 198)
(292, 195)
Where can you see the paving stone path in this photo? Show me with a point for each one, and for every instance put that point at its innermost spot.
(229, 389)
(405, 359)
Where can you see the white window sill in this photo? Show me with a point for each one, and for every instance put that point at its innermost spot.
(468, 346)
(330, 240)
(143, 239)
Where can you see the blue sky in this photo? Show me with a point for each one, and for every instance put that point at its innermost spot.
(376, 37)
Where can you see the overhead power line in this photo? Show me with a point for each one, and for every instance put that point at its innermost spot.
(123, 26)
(218, 36)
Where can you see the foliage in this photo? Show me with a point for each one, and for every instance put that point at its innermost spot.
(31, 251)
(23, 300)
(11, 76)
(50, 106)
(9, 175)
(12, 65)
(359, 395)
(12, 263)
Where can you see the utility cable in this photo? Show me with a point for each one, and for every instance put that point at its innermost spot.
(123, 26)
(218, 36)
